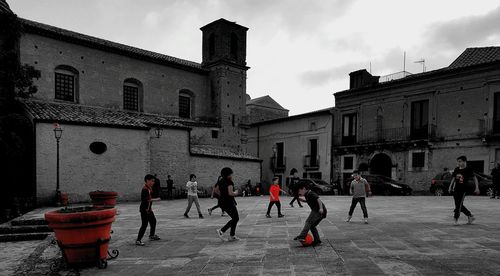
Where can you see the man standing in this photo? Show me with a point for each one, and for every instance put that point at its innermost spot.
(170, 186)
(458, 186)
(495, 173)
(293, 186)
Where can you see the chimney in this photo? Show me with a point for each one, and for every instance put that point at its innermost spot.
(362, 78)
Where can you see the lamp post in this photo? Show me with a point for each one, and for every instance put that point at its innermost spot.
(57, 134)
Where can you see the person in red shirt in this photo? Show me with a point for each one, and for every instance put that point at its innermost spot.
(274, 197)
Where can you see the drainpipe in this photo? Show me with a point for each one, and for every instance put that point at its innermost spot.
(258, 152)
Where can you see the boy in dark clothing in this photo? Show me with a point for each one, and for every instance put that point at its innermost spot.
(170, 186)
(458, 186)
(147, 215)
(228, 204)
(274, 198)
(318, 213)
(292, 186)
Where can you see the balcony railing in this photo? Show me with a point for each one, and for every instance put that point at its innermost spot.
(311, 161)
(278, 164)
(388, 135)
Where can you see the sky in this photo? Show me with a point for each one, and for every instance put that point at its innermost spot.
(299, 52)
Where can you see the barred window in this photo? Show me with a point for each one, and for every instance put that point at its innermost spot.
(130, 97)
(184, 106)
(418, 159)
(65, 87)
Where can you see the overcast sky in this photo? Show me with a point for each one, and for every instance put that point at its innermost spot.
(300, 52)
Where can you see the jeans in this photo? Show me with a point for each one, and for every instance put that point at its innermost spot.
(147, 217)
(312, 221)
(233, 213)
(190, 202)
(459, 197)
(361, 201)
(271, 203)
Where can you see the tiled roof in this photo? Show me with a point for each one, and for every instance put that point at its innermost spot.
(74, 113)
(266, 101)
(475, 56)
(106, 45)
(223, 152)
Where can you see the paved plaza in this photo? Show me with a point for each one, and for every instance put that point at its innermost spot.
(405, 236)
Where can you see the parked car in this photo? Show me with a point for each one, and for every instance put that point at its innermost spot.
(319, 186)
(441, 182)
(383, 185)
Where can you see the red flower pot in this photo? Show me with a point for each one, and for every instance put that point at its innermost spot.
(103, 198)
(83, 233)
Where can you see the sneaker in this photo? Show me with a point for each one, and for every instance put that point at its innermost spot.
(296, 238)
(280, 215)
(470, 219)
(316, 243)
(186, 216)
(366, 221)
(233, 238)
(291, 205)
(268, 216)
(348, 219)
(154, 238)
(200, 216)
(140, 243)
(455, 222)
(220, 234)
(209, 211)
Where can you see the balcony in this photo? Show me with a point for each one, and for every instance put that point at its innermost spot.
(388, 135)
(278, 165)
(311, 162)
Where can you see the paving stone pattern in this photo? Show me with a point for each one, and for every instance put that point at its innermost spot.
(405, 236)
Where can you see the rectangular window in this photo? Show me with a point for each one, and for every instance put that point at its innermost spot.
(349, 129)
(313, 152)
(280, 154)
(233, 118)
(130, 98)
(215, 134)
(418, 159)
(496, 113)
(65, 87)
(184, 107)
(348, 163)
(419, 119)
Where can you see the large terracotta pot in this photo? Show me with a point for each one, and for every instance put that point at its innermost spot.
(103, 198)
(82, 233)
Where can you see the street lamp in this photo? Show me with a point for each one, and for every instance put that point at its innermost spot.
(57, 134)
(158, 131)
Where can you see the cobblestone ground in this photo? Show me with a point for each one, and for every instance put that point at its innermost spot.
(405, 236)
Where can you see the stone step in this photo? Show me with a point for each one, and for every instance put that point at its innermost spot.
(23, 237)
(35, 221)
(25, 229)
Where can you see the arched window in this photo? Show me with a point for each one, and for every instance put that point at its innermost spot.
(211, 45)
(132, 95)
(66, 83)
(186, 104)
(234, 46)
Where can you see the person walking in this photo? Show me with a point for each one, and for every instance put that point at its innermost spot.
(192, 192)
(359, 190)
(228, 204)
(170, 187)
(292, 186)
(274, 197)
(458, 186)
(495, 173)
(147, 215)
(216, 194)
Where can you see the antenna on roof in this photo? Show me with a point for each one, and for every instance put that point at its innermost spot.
(422, 60)
(404, 62)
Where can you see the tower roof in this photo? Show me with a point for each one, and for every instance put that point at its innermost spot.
(223, 21)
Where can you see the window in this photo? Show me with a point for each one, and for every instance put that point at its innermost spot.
(234, 46)
(419, 119)
(215, 134)
(280, 147)
(312, 126)
(349, 129)
(233, 118)
(184, 106)
(313, 152)
(496, 113)
(130, 97)
(348, 163)
(66, 83)
(418, 159)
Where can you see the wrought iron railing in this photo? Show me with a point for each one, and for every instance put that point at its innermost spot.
(388, 135)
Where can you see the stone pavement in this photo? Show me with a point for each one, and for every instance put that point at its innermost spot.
(406, 236)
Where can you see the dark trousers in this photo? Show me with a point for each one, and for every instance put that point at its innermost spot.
(147, 217)
(459, 197)
(496, 190)
(233, 213)
(361, 201)
(312, 221)
(217, 206)
(295, 197)
(271, 203)
(169, 193)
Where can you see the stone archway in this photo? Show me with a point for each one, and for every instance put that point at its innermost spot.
(381, 164)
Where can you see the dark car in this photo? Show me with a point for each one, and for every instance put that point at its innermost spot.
(318, 186)
(383, 185)
(441, 182)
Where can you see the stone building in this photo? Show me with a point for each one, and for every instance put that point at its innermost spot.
(302, 142)
(412, 128)
(126, 112)
(264, 108)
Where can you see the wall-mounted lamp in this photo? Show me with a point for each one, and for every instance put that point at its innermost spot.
(158, 131)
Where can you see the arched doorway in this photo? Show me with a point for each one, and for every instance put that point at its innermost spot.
(381, 164)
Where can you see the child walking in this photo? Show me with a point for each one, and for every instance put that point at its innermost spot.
(318, 213)
(274, 197)
(147, 215)
(228, 204)
(359, 190)
(216, 194)
(192, 190)
(292, 186)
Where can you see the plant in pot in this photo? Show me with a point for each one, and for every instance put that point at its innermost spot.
(83, 233)
(103, 198)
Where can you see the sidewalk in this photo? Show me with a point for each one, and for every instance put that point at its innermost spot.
(406, 236)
